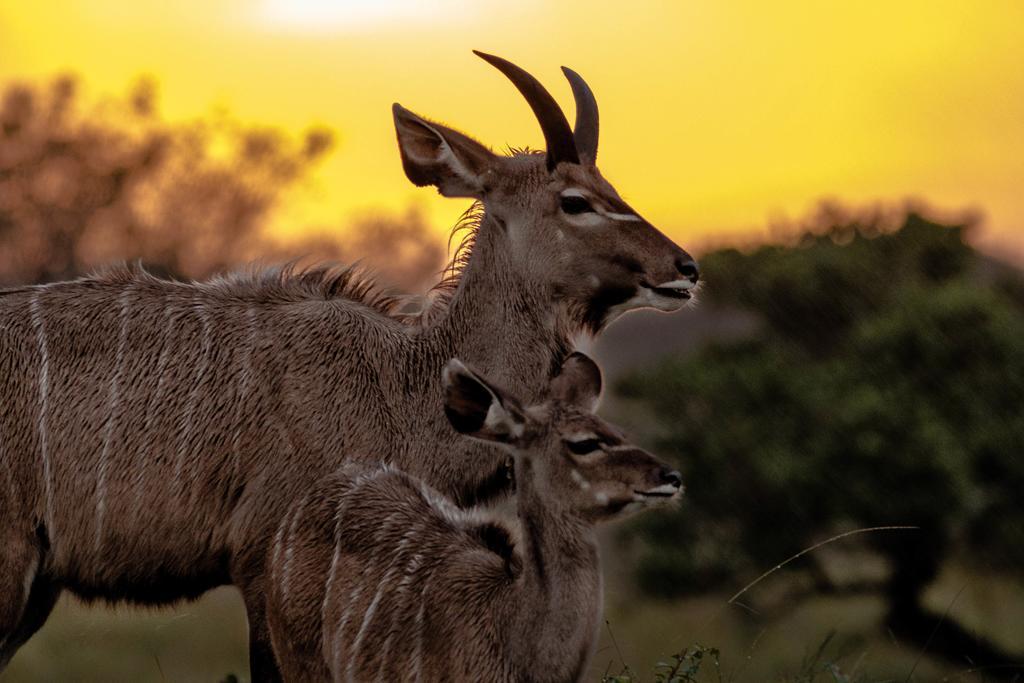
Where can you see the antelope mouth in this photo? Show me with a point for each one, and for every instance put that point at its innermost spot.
(679, 289)
(663, 491)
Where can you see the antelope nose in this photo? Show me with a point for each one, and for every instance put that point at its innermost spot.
(672, 477)
(688, 269)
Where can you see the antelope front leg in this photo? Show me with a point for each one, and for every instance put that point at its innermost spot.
(262, 663)
(26, 597)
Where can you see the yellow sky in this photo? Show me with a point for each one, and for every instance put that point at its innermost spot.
(716, 115)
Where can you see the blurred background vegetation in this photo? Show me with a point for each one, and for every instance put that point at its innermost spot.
(866, 370)
(82, 186)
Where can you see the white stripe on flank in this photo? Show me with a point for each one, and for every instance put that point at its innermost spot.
(384, 583)
(152, 408)
(598, 208)
(356, 592)
(193, 396)
(275, 556)
(113, 410)
(339, 511)
(417, 658)
(289, 550)
(244, 386)
(44, 406)
(329, 586)
(410, 572)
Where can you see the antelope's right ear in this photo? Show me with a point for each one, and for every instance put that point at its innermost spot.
(435, 155)
(476, 408)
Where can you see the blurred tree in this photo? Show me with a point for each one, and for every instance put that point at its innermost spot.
(882, 388)
(402, 251)
(80, 190)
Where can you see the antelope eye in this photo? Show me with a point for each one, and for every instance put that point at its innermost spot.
(574, 204)
(583, 446)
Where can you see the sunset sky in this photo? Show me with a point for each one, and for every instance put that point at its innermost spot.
(717, 117)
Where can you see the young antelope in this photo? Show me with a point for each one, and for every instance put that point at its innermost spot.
(377, 576)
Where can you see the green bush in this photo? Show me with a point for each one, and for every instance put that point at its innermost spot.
(884, 386)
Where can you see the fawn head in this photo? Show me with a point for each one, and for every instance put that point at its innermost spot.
(574, 458)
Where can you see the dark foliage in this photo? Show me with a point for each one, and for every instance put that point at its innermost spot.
(883, 387)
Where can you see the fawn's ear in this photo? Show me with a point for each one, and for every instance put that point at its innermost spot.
(433, 154)
(579, 382)
(476, 408)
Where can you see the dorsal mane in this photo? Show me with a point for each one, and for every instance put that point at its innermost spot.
(295, 282)
(282, 284)
(524, 151)
(465, 230)
(469, 227)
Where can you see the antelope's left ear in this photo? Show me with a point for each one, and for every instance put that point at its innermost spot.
(436, 155)
(478, 409)
(579, 382)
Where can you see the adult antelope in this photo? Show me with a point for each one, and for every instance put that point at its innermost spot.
(152, 432)
(376, 576)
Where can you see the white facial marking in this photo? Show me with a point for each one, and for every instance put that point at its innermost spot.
(498, 420)
(580, 480)
(113, 410)
(625, 217)
(601, 497)
(560, 235)
(580, 436)
(591, 218)
(44, 405)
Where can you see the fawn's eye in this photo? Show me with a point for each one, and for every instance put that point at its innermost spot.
(574, 204)
(583, 446)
